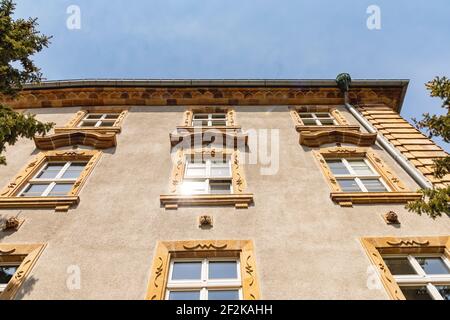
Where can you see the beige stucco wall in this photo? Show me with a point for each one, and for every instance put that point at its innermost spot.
(306, 246)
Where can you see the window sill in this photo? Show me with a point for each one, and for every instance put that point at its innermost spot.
(88, 129)
(60, 204)
(202, 129)
(240, 201)
(347, 199)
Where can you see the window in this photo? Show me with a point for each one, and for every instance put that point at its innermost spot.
(7, 271)
(204, 279)
(317, 119)
(421, 276)
(207, 177)
(356, 175)
(209, 119)
(99, 120)
(16, 263)
(54, 179)
(204, 270)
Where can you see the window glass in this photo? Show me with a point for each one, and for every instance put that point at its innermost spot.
(349, 185)
(433, 265)
(223, 295)
(93, 116)
(50, 171)
(337, 167)
(223, 270)
(6, 273)
(399, 266)
(187, 270)
(309, 122)
(416, 293)
(373, 185)
(74, 171)
(220, 187)
(34, 190)
(305, 115)
(61, 189)
(444, 291)
(184, 295)
(111, 116)
(360, 167)
(327, 122)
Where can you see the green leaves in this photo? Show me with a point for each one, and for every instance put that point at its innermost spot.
(19, 40)
(14, 125)
(436, 201)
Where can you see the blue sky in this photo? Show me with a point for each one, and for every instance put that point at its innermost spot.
(248, 39)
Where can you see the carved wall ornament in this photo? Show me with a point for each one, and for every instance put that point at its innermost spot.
(12, 224)
(166, 250)
(93, 139)
(408, 243)
(205, 221)
(391, 217)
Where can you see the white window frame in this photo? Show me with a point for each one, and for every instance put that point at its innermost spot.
(209, 118)
(318, 119)
(357, 178)
(8, 264)
(208, 177)
(51, 182)
(430, 281)
(204, 284)
(98, 122)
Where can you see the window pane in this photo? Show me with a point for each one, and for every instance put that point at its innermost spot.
(220, 169)
(112, 116)
(360, 167)
(416, 293)
(222, 270)
(196, 170)
(93, 116)
(305, 115)
(433, 265)
(187, 270)
(327, 122)
(219, 116)
(60, 189)
(200, 116)
(218, 123)
(74, 171)
(337, 167)
(308, 122)
(323, 115)
(373, 185)
(88, 124)
(444, 291)
(107, 123)
(349, 185)
(223, 295)
(184, 295)
(399, 266)
(50, 171)
(220, 187)
(193, 187)
(34, 190)
(6, 273)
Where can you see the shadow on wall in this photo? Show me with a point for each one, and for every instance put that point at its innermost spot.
(26, 288)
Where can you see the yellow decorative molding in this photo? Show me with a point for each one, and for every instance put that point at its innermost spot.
(24, 254)
(173, 201)
(86, 138)
(205, 136)
(166, 250)
(9, 198)
(375, 247)
(398, 193)
(318, 138)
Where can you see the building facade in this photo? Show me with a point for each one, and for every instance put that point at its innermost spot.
(192, 189)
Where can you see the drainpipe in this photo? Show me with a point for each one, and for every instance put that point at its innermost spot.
(343, 80)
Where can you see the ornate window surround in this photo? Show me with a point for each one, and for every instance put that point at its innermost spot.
(343, 132)
(24, 254)
(167, 250)
(72, 125)
(8, 198)
(375, 247)
(238, 198)
(398, 193)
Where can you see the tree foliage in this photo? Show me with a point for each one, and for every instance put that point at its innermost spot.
(436, 200)
(19, 41)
